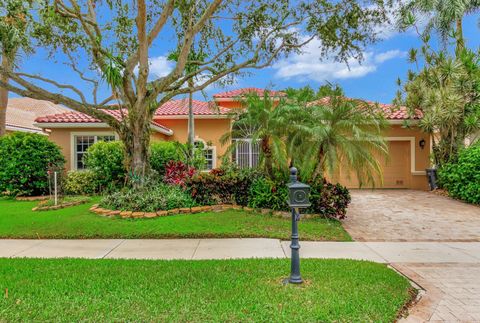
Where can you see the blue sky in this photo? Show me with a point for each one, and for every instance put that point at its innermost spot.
(373, 79)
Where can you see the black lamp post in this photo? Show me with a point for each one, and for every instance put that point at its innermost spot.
(298, 197)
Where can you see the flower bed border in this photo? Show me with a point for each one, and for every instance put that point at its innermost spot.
(32, 198)
(190, 210)
(59, 206)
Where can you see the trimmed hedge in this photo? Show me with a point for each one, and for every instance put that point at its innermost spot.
(25, 159)
(251, 188)
(105, 160)
(462, 178)
(80, 183)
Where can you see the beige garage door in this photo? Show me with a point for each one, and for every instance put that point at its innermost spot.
(396, 168)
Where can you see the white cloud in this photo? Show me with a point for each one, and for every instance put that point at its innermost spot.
(160, 66)
(391, 54)
(308, 66)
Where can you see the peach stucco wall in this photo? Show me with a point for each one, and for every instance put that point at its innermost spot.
(63, 138)
(209, 130)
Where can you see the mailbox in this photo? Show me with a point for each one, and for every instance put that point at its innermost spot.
(298, 193)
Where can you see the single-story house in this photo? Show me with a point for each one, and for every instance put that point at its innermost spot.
(22, 112)
(74, 132)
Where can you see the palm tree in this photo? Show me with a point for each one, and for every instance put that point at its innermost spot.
(444, 16)
(343, 133)
(263, 122)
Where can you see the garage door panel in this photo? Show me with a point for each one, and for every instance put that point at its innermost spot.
(395, 169)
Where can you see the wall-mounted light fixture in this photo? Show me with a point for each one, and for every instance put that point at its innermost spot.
(421, 143)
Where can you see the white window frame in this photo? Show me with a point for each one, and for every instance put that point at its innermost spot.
(73, 145)
(214, 153)
(250, 150)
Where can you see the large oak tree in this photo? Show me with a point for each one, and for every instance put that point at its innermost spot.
(115, 38)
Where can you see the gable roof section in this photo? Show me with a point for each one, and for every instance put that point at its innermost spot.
(37, 107)
(390, 111)
(21, 113)
(180, 108)
(19, 120)
(248, 90)
(74, 119)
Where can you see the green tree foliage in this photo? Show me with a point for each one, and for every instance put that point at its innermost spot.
(444, 16)
(318, 139)
(307, 94)
(25, 160)
(14, 40)
(447, 92)
(233, 36)
(347, 133)
(462, 178)
(262, 121)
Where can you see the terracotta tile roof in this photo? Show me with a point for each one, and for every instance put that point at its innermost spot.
(240, 92)
(75, 117)
(78, 117)
(390, 111)
(180, 107)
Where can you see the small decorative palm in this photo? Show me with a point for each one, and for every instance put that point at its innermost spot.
(347, 134)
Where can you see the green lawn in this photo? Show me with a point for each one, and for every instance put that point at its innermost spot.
(18, 221)
(199, 291)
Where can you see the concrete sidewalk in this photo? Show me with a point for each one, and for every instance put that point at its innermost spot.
(383, 252)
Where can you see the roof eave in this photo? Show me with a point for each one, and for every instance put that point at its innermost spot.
(71, 125)
(198, 116)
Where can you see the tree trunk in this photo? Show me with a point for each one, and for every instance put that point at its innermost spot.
(319, 168)
(459, 37)
(267, 154)
(4, 97)
(136, 139)
(191, 121)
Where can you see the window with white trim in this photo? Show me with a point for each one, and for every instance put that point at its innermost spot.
(208, 152)
(246, 153)
(82, 143)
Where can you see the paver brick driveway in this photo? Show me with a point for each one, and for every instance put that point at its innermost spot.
(408, 215)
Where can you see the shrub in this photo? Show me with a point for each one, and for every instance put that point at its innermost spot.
(462, 178)
(162, 152)
(223, 186)
(24, 161)
(177, 173)
(153, 196)
(80, 183)
(105, 160)
(264, 193)
(329, 200)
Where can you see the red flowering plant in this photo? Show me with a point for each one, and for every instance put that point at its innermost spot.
(178, 173)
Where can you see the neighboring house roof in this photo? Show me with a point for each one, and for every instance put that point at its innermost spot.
(74, 118)
(180, 108)
(18, 120)
(21, 113)
(239, 92)
(390, 111)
